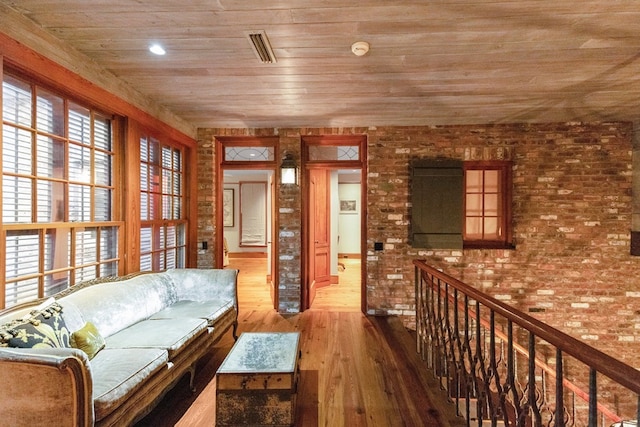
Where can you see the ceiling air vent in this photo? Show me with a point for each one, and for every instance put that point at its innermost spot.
(261, 46)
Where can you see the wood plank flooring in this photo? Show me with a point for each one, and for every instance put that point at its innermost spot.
(356, 370)
(343, 296)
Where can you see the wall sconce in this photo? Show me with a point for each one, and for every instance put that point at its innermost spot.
(288, 170)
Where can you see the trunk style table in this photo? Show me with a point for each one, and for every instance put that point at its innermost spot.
(257, 381)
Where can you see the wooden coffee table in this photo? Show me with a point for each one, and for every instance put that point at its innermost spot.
(257, 381)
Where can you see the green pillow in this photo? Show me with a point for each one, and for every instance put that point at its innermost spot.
(88, 339)
(41, 329)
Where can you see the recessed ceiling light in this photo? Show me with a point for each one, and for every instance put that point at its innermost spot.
(157, 49)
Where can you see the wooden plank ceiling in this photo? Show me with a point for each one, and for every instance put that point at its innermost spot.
(430, 62)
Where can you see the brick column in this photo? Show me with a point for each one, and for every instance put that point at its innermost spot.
(289, 231)
(206, 197)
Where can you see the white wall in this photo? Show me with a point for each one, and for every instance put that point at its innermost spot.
(232, 180)
(349, 223)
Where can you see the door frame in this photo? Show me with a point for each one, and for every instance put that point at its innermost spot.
(222, 164)
(360, 164)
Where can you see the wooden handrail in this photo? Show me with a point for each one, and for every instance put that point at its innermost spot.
(616, 370)
(541, 364)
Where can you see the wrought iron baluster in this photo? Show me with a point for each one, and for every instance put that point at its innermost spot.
(593, 398)
(484, 393)
(532, 400)
(570, 419)
(496, 405)
(478, 371)
(457, 351)
(511, 375)
(559, 411)
(433, 327)
(418, 287)
(441, 343)
(448, 342)
(468, 366)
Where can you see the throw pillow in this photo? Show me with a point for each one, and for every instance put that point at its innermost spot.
(88, 339)
(41, 329)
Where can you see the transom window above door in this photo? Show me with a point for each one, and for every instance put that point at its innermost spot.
(249, 154)
(334, 152)
(344, 150)
(247, 151)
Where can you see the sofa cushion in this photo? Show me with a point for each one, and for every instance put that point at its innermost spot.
(168, 334)
(119, 373)
(72, 316)
(113, 306)
(88, 339)
(43, 328)
(195, 284)
(210, 310)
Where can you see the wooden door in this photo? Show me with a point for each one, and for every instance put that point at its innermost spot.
(272, 246)
(319, 232)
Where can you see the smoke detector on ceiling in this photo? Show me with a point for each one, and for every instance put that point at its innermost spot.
(360, 48)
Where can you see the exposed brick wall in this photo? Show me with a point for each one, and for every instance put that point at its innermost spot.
(572, 217)
(207, 186)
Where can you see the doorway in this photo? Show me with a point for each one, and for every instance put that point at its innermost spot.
(247, 222)
(333, 222)
(343, 292)
(248, 225)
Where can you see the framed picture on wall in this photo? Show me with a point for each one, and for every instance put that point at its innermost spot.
(348, 206)
(227, 207)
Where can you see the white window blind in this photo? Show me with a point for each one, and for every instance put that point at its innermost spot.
(163, 228)
(57, 193)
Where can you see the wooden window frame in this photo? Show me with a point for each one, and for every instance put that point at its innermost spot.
(155, 220)
(77, 267)
(505, 240)
(128, 120)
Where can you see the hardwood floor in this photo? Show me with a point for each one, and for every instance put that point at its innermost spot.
(343, 296)
(356, 370)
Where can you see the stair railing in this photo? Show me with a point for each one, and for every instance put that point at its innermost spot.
(502, 367)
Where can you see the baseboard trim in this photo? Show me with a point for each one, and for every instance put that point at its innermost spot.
(352, 256)
(247, 254)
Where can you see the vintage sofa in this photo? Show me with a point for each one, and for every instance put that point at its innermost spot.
(147, 332)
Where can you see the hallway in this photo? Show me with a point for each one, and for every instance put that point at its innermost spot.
(253, 289)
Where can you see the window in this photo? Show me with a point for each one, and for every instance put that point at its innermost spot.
(163, 226)
(479, 217)
(436, 213)
(345, 150)
(249, 154)
(487, 204)
(57, 224)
